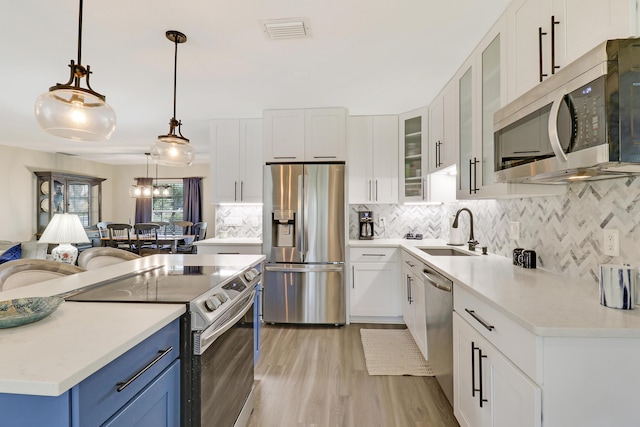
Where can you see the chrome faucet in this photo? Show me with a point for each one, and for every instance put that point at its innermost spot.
(472, 241)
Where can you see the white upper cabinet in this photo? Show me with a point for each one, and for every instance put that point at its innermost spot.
(545, 35)
(373, 159)
(236, 163)
(443, 129)
(315, 135)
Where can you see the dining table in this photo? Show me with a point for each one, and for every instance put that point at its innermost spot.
(166, 239)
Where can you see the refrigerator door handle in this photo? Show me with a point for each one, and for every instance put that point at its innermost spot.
(305, 216)
(306, 268)
(300, 218)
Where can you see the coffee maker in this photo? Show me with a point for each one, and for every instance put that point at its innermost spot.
(365, 229)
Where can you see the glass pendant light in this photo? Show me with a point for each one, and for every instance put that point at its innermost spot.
(160, 190)
(73, 112)
(172, 149)
(142, 191)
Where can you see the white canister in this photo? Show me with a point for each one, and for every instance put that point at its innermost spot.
(617, 286)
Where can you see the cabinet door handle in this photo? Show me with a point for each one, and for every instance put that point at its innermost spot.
(473, 369)
(353, 277)
(540, 34)
(369, 197)
(241, 191)
(475, 175)
(554, 67)
(481, 396)
(124, 384)
(410, 288)
(480, 319)
(376, 198)
(235, 191)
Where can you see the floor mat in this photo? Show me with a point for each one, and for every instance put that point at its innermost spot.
(393, 352)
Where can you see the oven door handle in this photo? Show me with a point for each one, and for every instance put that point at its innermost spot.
(208, 337)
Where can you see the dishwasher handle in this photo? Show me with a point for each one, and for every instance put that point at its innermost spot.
(437, 280)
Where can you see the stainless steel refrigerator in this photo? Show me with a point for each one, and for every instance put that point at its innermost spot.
(304, 242)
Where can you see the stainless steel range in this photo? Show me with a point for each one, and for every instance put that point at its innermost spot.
(217, 354)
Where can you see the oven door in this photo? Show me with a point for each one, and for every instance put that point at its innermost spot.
(223, 371)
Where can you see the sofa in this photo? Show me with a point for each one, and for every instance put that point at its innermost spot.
(29, 249)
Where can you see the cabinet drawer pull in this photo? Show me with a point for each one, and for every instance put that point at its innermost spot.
(409, 264)
(285, 157)
(373, 254)
(124, 384)
(480, 319)
(325, 157)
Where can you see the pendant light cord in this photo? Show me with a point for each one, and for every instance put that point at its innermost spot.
(80, 34)
(175, 76)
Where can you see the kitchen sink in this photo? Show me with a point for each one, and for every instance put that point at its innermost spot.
(445, 252)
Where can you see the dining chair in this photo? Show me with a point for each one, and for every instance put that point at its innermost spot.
(147, 239)
(183, 225)
(23, 272)
(103, 231)
(200, 233)
(163, 226)
(101, 257)
(120, 236)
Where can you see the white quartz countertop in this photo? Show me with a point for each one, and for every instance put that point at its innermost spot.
(236, 241)
(543, 302)
(52, 355)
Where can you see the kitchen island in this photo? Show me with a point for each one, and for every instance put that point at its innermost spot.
(42, 364)
(538, 344)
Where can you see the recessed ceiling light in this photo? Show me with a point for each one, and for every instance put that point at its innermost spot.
(287, 28)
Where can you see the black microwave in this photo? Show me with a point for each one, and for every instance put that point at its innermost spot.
(582, 123)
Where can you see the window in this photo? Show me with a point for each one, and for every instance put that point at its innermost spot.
(168, 208)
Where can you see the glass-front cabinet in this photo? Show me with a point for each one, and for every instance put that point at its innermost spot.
(66, 193)
(413, 156)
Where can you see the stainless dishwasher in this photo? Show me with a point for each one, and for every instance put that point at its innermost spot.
(439, 296)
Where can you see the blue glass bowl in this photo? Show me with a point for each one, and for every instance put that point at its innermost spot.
(21, 311)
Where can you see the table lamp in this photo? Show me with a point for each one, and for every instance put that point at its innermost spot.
(64, 229)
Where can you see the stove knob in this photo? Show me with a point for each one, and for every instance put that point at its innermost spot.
(249, 276)
(255, 272)
(212, 303)
(222, 297)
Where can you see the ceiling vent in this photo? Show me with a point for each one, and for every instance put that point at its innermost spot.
(288, 28)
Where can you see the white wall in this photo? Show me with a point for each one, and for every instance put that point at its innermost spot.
(18, 189)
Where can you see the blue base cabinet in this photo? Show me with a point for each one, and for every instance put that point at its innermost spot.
(141, 387)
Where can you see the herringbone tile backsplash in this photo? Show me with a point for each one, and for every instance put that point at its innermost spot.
(565, 231)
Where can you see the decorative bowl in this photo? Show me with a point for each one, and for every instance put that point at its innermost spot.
(20, 311)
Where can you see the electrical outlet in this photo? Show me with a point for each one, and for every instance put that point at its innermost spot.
(233, 221)
(514, 230)
(611, 242)
(382, 221)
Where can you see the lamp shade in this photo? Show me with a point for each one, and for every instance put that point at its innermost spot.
(75, 114)
(64, 228)
(170, 150)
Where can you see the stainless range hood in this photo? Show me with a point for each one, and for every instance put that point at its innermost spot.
(582, 123)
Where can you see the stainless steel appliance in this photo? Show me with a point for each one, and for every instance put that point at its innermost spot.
(580, 123)
(304, 242)
(439, 296)
(365, 225)
(217, 333)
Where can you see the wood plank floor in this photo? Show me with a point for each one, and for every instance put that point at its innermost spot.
(316, 376)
